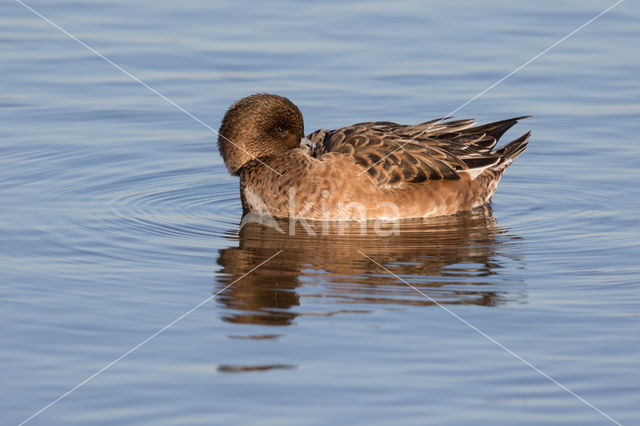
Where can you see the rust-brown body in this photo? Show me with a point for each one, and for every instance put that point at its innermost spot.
(376, 170)
(334, 188)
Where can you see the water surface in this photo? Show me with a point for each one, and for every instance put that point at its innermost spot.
(117, 217)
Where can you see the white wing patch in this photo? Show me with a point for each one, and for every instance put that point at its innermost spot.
(474, 173)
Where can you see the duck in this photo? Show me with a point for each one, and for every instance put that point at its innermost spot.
(377, 170)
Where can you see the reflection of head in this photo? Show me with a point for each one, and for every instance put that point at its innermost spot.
(449, 257)
(266, 295)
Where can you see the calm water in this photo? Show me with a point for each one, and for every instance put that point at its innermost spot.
(117, 217)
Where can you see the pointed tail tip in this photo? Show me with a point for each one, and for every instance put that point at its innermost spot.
(513, 149)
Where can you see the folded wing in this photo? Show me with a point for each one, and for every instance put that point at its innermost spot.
(392, 153)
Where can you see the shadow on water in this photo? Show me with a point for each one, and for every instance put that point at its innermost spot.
(452, 260)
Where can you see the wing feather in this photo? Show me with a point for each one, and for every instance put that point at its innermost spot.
(438, 149)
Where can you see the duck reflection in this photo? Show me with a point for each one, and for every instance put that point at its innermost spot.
(453, 260)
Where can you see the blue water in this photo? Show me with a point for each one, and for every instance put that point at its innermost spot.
(117, 217)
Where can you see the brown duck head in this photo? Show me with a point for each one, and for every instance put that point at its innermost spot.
(259, 126)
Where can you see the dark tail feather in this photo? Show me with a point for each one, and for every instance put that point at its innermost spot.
(512, 150)
(498, 128)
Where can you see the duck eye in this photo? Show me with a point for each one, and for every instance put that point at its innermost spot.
(279, 130)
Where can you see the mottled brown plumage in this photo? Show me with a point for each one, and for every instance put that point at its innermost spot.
(365, 171)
